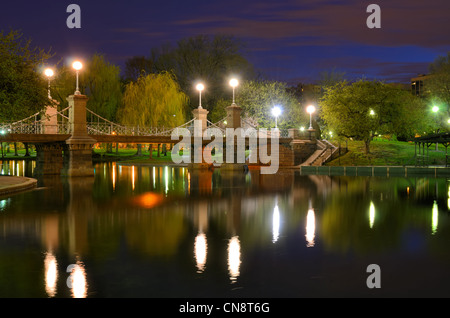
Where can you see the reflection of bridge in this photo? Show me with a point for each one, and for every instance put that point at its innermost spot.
(64, 139)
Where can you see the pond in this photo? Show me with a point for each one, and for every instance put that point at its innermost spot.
(164, 231)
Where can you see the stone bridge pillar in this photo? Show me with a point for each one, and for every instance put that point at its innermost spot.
(51, 121)
(234, 122)
(78, 151)
(49, 160)
(197, 148)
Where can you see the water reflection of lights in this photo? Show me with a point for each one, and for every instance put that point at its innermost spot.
(77, 280)
(51, 274)
(3, 204)
(166, 178)
(234, 258)
(434, 218)
(448, 200)
(148, 200)
(371, 214)
(275, 224)
(132, 178)
(200, 251)
(114, 176)
(310, 228)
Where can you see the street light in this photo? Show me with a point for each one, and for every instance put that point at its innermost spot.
(310, 109)
(49, 73)
(200, 87)
(233, 83)
(77, 66)
(435, 109)
(276, 111)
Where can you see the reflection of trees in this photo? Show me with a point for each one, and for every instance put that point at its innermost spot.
(346, 224)
(156, 233)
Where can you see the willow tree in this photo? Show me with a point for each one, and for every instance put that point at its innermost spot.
(154, 100)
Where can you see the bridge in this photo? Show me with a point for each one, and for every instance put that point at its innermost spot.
(64, 139)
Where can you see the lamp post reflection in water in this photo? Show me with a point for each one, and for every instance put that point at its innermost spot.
(371, 214)
(234, 258)
(77, 280)
(434, 218)
(51, 274)
(275, 224)
(310, 228)
(200, 251)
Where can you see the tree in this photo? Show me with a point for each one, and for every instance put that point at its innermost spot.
(99, 80)
(137, 66)
(23, 89)
(154, 100)
(212, 60)
(439, 82)
(257, 98)
(358, 110)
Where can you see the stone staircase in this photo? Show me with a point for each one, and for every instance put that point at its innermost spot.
(324, 153)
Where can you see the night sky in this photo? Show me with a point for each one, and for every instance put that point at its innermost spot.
(290, 41)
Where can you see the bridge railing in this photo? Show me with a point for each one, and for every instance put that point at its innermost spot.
(114, 129)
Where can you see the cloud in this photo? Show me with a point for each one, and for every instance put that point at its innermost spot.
(329, 22)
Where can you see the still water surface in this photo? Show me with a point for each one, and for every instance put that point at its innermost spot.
(161, 231)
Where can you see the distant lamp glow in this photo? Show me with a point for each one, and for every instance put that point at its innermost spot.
(49, 73)
(234, 83)
(435, 109)
(310, 110)
(77, 67)
(276, 111)
(200, 87)
(372, 112)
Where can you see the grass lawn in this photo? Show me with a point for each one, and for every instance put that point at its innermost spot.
(387, 153)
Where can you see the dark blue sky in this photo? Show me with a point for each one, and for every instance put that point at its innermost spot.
(290, 40)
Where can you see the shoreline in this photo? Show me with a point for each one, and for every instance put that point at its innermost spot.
(14, 184)
(394, 171)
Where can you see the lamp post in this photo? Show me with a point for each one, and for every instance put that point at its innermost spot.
(200, 87)
(233, 83)
(49, 73)
(310, 109)
(77, 66)
(276, 111)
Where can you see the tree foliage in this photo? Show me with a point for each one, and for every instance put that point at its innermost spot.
(103, 86)
(23, 88)
(154, 100)
(439, 82)
(99, 80)
(257, 98)
(137, 66)
(211, 60)
(359, 110)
